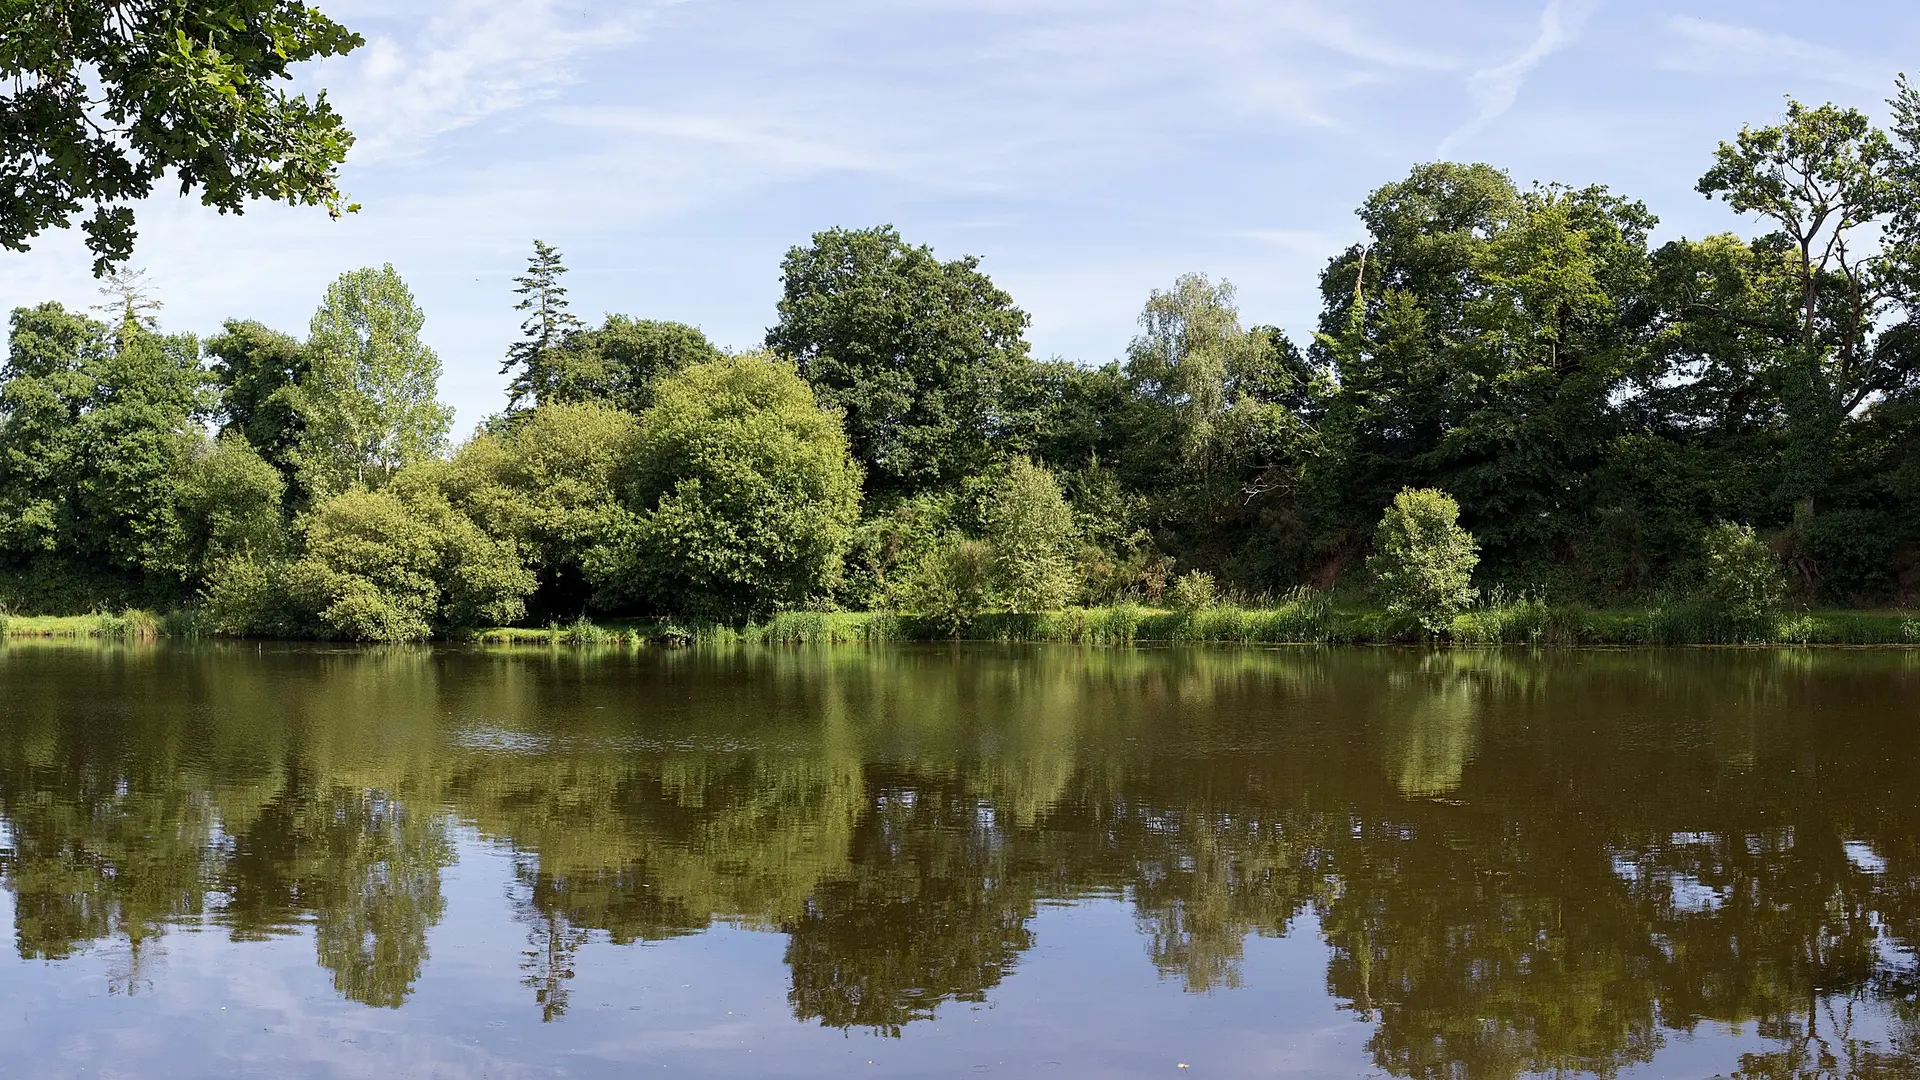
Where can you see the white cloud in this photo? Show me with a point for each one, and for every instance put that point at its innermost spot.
(1495, 89)
(470, 60)
(1700, 47)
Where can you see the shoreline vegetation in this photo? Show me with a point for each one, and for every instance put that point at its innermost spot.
(1520, 419)
(1309, 621)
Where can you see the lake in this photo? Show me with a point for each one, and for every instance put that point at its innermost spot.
(243, 860)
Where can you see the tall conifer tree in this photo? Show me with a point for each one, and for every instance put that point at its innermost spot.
(544, 333)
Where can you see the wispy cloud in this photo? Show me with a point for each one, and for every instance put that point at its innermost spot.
(1701, 47)
(470, 60)
(1495, 89)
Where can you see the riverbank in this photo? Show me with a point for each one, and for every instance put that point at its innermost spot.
(1303, 623)
(1310, 622)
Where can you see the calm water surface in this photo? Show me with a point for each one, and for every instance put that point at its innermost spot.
(235, 861)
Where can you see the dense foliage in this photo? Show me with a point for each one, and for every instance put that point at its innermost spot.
(740, 496)
(1542, 400)
(1423, 561)
(108, 98)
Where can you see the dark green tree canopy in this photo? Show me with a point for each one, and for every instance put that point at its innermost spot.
(99, 99)
(257, 369)
(618, 362)
(923, 357)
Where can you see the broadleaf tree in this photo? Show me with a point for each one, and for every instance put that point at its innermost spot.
(923, 357)
(1828, 179)
(367, 401)
(110, 97)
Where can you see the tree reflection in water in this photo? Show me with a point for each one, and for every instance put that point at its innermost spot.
(1518, 862)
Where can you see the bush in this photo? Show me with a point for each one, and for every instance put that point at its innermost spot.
(1852, 553)
(1030, 531)
(740, 499)
(1423, 560)
(890, 546)
(1192, 592)
(1742, 579)
(229, 502)
(953, 584)
(377, 566)
(548, 483)
(246, 595)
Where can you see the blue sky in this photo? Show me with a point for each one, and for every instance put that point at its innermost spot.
(1088, 150)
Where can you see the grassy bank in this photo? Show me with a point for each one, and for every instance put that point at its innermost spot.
(131, 625)
(1310, 621)
(1307, 622)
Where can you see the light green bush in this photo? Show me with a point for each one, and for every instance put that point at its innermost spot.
(547, 482)
(376, 566)
(1742, 578)
(1192, 592)
(1423, 561)
(953, 584)
(1030, 532)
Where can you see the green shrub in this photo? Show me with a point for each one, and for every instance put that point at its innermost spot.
(1030, 532)
(953, 584)
(1423, 560)
(547, 483)
(888, 547)
(583, 632)
(246, 595)
(393, 565)
(135, 624)
(1192, 592)
(740, 500)
(1116, 625)
(1742, 579)
(1852, 552)
(229, 503)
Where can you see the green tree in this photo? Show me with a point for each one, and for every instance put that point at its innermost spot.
(367, 401)
(1030, 534)
(401, 565)
(1423, 560)
(1828, 179)
(108, 98)
(1218, 427)
(1483, 342)
(257, 369)
(1741, 577)
(618, 362)
(923, 357)
(545, 332)
(549, 484)
(229, 500)
(954, 580)
(1189, 357)
(96, 430)
(741, 496)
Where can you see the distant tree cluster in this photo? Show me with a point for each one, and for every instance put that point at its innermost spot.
(1536, 398)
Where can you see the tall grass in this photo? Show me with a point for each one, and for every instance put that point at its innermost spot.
(1303, 617)
(132, 624)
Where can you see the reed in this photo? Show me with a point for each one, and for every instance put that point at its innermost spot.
(1303, 617)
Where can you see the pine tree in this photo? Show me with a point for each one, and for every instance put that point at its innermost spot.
(545, 331)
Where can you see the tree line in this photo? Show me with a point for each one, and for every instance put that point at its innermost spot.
(1609, 420)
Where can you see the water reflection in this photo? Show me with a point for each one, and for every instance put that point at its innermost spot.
(1518, 863)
